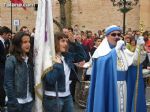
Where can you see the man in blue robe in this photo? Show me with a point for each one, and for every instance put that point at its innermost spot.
(113, 79)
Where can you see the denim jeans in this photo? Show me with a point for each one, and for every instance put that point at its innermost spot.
(27, 107)
(62, 104)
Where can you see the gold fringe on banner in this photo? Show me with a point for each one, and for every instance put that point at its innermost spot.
(38, 86)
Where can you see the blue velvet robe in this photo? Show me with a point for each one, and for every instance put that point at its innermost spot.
(103, 89)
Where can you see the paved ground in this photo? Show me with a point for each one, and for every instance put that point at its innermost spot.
(78, 109)
(148, 98)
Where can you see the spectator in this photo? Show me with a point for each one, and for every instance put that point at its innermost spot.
(25, 29)
(57, 94)
(5, 32)
(97, 42)
(19, 76)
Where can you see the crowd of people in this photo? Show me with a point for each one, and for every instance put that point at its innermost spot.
(107, 58)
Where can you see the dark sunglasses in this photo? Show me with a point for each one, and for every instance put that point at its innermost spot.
(116, 34)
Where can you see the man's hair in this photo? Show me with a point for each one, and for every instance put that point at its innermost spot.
(71, 29)
(97, 39)
(23, 27)
(4, 29)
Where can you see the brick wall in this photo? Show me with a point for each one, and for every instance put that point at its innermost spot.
(145, 13)
(26, 17)
(97, 14)
(88, 14)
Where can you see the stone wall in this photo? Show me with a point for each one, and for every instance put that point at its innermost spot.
(88, 14)
(97, 14)
(26, 16)
(145, 14)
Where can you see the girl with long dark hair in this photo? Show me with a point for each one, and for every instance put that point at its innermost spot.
(19, 77)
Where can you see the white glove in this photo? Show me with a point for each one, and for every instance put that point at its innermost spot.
(120, 45)
(140, 40)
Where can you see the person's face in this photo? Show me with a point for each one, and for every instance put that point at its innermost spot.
(147, 48)
(25, 46)
(133, 42)
(98, 42)
(6, 36)
(84, 37)
(78, 38)
(89, 35)
(26, 30)
(82, 33)
(137, 33)
(127, 40)
(65, 31)
(113, 37)
(63, 45)
(129, 33)
(145, 36)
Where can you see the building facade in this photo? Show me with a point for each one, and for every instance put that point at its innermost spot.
(87, 14)
(145, 13)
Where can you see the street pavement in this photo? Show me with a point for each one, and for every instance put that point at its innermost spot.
(78, 109)
(148, 98)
